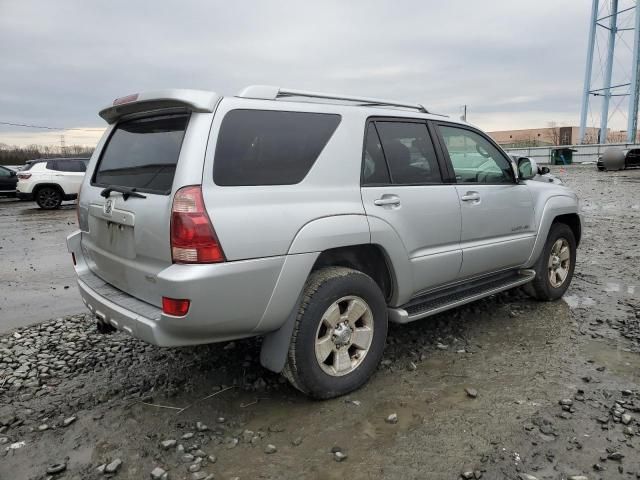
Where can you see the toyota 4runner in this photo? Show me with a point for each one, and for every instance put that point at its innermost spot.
(309, 219)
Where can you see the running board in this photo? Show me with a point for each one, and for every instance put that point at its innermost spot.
(456, 296)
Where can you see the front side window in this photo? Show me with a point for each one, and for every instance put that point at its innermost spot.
(265, 147)
(4, 172)
(409, 152)
(474, 158)
(143, 153)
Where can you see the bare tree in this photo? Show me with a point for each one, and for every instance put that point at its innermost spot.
(554, 132)
(589, 138)
(13, 155)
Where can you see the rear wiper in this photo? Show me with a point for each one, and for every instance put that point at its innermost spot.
(126, 192)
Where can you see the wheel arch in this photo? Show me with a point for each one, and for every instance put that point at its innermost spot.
(557, 209)
(572, 220)
(368, 258)
(279, 318)
(36, 188)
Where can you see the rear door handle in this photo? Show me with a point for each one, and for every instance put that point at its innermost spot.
(470, 197)
(387, 200)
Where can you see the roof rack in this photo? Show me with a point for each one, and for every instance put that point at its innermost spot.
(267, 92)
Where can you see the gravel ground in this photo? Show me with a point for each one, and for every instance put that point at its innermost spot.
(504, 388)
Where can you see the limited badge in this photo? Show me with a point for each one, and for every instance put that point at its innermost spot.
(108, 206)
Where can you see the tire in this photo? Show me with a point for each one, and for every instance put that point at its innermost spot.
(601, 169)
(542, 288)
(48, 198)
(329, 294)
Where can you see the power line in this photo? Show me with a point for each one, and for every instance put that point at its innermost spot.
(46, 128)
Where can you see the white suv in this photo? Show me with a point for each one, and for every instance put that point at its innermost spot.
(51, 181)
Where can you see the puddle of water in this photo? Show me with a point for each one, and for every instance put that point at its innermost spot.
(617, 361)
(576, 301)
(615, 287)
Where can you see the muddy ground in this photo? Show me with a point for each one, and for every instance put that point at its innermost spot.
(36, 274)
(558, 388)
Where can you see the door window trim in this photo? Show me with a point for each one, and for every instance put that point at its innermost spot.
(442, 166)
(445, 152)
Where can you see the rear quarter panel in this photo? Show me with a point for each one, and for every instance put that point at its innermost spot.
(262, 221)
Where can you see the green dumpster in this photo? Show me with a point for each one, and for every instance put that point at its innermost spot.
(562, 156)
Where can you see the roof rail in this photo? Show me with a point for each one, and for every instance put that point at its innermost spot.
(267, 92)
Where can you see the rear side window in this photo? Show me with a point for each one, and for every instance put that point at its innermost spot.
(143, 154)
(262, 147)
(67, 165)
(409, 152)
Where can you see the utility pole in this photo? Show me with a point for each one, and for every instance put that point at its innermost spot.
(613, 29)
(587, 74)
(63, 148)
(632, 114)
(614, 21)
(464, 113)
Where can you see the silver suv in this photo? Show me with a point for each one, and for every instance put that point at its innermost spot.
(309, 219)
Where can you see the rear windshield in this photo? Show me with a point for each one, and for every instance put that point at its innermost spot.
(264, 147)
(143, 154)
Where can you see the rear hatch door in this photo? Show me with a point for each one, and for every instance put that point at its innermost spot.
(126, 235)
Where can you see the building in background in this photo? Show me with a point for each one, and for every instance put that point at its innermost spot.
(553, 135)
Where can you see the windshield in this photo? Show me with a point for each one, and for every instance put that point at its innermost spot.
(142, 154)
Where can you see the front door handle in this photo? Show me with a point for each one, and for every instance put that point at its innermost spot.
(387, 200)
(470, 197)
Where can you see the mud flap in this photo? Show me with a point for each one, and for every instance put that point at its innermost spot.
(275, 345)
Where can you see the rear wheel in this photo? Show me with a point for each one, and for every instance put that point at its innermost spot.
(339, 335)
(554, 268)
(48, 198)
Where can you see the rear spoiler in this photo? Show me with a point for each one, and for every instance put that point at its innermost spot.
(194, 100)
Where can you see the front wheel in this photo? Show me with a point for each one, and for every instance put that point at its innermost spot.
(554, 268)
(339, 335)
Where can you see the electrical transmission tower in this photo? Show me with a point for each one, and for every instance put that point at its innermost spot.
(619, 19)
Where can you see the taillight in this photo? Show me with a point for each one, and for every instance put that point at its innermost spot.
(193, 239)
(174, 306)
(24, 176)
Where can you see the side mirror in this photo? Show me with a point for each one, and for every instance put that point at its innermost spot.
(527, 168)
(12, 173)
(543, 170)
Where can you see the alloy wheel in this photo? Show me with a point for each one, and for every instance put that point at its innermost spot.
(559, 262)
(344, 336)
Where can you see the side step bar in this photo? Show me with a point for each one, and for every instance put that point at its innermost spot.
(442, 300)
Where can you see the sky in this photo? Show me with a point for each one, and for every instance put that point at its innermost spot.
(515, 64)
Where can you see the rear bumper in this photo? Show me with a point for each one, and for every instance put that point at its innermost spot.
(24, 196)
(228, 300)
